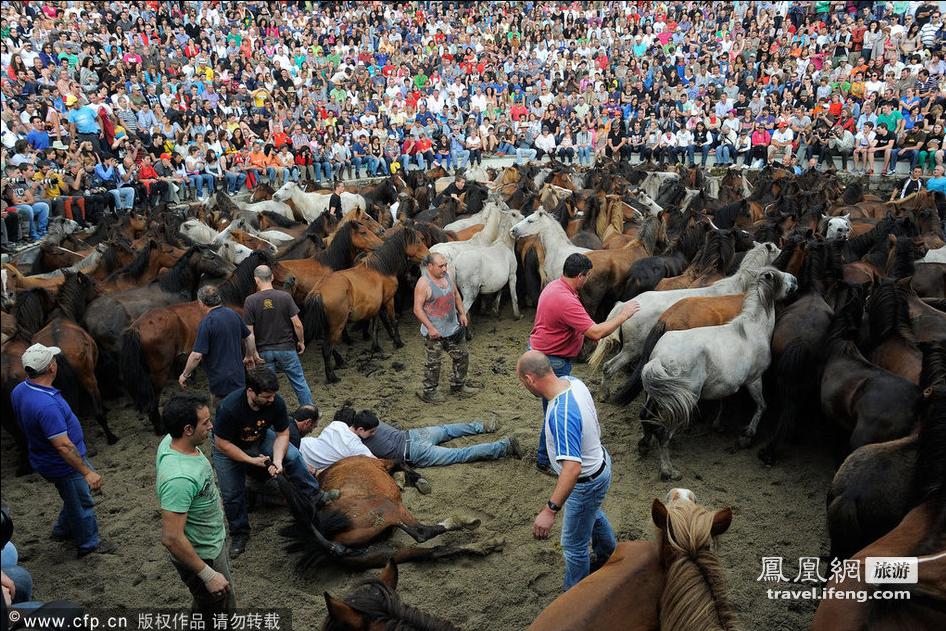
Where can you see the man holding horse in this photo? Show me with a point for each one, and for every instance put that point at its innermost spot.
(583, 466)
(562, 325)
(439, 307)
(57, 450)
(272, 317)
(192, 526)
(251, 435)
(222, 339)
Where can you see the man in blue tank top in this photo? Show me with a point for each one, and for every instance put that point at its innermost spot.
(439, 307)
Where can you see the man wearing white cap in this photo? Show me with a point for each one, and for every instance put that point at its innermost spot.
(57, 449)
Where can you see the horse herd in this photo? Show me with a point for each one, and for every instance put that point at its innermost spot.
(818, 297)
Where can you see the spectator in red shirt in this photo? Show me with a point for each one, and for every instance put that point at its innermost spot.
(562, 324)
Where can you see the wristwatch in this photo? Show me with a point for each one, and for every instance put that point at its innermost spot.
(553, 506)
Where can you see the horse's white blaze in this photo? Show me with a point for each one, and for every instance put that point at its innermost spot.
(680, 495)
(936, 256)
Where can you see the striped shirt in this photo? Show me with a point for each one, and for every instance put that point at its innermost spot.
(572, 432)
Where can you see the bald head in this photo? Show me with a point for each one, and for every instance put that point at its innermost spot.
(533, 363)
(263, 273)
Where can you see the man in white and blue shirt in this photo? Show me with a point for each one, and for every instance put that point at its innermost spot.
(583, 466)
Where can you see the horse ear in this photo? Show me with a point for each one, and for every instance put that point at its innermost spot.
(846, 217)
(339, 611)
(721, 521)
(658, 512)
(389, 574)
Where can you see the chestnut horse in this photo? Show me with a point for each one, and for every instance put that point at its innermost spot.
(674, 583)
(156, 339)
(363, 292)
(348, 530)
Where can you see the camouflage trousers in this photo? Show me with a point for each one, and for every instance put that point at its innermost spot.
(455, 347)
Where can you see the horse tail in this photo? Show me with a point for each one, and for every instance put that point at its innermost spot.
(674, 401)
(134, 371)
(314, 319)
(606, 347)
(843, 525)
(67, 382)
(311, 527)
(633, 388)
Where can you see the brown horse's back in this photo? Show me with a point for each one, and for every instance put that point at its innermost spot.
(699, 311)
(166, 333)
(626, 589)
(370, 497)
(912, 615)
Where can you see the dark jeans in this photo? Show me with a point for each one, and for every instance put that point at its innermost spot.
(204, 601)
(76, 520)
(562, 367)
(231, 476)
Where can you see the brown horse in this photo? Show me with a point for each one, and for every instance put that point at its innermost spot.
(149, 261)
(893, 347)
(374, 605)
(78, 347)
(363, 292)
(351, 239)
(674, 583)
(158, 338)
(348, 530)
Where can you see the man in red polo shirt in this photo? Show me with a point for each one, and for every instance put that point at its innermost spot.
(562, 324)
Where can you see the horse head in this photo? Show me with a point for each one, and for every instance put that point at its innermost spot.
(533, 224)
(839, 227)
(286, 191)
(211, 263)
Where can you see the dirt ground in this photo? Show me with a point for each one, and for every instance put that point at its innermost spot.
(777, 511)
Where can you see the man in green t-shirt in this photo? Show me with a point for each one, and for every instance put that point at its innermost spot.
(192, 515)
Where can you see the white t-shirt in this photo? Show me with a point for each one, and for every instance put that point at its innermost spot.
(335, 442)
(571, 429)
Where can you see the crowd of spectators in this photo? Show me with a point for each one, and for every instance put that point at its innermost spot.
(109, 106)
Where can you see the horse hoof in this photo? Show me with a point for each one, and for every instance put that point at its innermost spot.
(111, 439)
(492, 545)
(745, 441)
(767, 456)
(331, 379)
(398, 344)
(517, 316)
(457, 523)
(673, 474)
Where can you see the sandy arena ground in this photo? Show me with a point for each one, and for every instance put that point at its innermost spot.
(777, 512)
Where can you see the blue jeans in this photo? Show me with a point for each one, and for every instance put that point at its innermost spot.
(525, 155)
(77, 518)
(460, 158)
(372, 165)
(38, 213)
(562, 367)
(231, 477)
(584, 156)
(723, 155)
(235, 181)
(505, 148)
(288, 362)
(323, 168)
(586, 523)
(424, 450)
(22, 581)
(200, 181)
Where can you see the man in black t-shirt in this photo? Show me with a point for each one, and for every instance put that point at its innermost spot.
(335, 201)
(251, 435)
(272, 317)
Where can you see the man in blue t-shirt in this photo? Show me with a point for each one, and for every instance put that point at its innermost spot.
(583, 467)
(57, 451)
(83, 123)
(220, 346)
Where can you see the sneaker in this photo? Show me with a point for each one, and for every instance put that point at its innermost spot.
(105, 547)
(490, 426)
(430, 397)
(464, 391)
(238, 545)
(514, 449)
(423, 486)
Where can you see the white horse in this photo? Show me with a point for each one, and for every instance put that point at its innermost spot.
(936, 256)
(493, 199)
(652, 303)
(555, 242)
(199, 232)
(712, 363)
(488, 268)
(839, 227)
(477, 174)
(491, 216)
(645, 200)
(270, 205)
(311, 205)
(654, 180)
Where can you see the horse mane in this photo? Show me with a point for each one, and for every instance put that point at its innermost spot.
(888, 313)
(861, 244)
(930, 471)
(561, 213)
(340, 253)
(241, 283)
(279, 220)
(725, 217)
(180, 276)
(390, 259)
(110, 256)
(70, 299)
(718, 249)
(432, 233)
(382, 605)
(690, 241)
(138, 265)
(592, 209)
(30, 312)
(878, 253)
(648, 234)
(694, 595)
